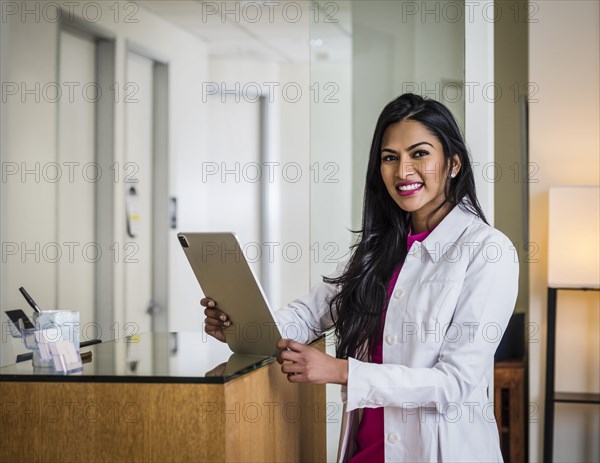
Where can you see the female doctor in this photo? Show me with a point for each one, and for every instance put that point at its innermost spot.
(419, 308)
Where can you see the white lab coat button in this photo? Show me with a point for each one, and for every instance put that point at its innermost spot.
(390, 339)
(398, 294)
(392, 438)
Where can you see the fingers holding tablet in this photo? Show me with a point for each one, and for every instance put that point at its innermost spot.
(215, 320)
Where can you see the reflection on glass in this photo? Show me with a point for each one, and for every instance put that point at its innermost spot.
(235, 364)
(197, 357)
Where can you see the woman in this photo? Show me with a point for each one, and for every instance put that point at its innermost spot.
(420, 307)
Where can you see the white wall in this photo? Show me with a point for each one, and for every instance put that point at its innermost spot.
(29, 136)
(29, 209)
(564, 64)
(292, 220)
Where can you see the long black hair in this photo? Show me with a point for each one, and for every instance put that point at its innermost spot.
(357, 308)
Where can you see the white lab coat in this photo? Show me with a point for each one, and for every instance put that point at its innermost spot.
(448, 311)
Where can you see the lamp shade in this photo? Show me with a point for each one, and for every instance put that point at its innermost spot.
(574, 237)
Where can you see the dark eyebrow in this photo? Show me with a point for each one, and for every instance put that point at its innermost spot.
(411, 147)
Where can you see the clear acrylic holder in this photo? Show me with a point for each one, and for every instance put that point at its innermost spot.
(52, 327)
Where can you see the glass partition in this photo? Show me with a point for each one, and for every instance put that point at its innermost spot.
(363, 55)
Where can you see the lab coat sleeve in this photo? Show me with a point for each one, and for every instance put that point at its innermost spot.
(484, 306)
(306, 318)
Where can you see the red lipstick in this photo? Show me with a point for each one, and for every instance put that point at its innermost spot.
(408, 188)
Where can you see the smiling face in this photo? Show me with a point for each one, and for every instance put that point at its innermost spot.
(414, 171)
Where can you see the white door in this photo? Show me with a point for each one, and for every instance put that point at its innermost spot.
(76, 184)
(138, 169)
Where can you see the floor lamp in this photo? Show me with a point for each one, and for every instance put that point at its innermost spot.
(573, 264)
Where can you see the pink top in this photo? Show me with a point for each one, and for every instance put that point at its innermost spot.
(370, 435)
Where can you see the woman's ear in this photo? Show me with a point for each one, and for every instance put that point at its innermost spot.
(456, 167)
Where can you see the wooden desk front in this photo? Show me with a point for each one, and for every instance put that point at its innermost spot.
(256, 416)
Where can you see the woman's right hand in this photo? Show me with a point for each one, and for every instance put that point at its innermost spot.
(215, 321)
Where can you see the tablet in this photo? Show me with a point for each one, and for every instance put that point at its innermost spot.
(226, 277)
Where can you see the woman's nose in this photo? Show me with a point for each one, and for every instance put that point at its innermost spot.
(405, 168)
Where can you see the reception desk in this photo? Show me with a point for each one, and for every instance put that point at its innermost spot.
(161, 397)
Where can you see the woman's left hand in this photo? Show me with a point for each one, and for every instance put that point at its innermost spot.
(305, 364)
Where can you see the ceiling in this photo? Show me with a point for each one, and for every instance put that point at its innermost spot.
(279, 31)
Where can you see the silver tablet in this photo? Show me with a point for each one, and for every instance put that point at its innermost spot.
(225, 276)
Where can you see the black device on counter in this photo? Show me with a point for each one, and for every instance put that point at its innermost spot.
(15, 315)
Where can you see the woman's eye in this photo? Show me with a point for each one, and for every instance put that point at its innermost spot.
(418, 154)
(389, 158)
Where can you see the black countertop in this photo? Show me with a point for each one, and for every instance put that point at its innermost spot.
(191, 357)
